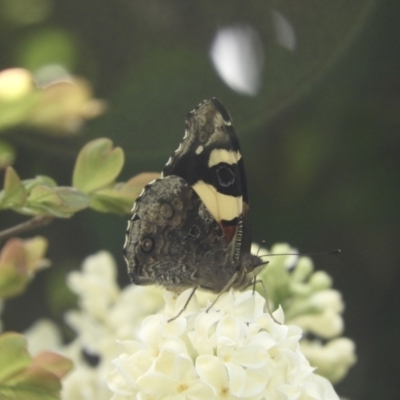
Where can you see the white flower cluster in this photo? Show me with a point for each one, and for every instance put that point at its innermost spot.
(310, 303)
(106, 314)
(234, 351)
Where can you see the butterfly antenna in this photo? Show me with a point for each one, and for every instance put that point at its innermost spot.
(324, 253)
(260, 281)
(259, 246)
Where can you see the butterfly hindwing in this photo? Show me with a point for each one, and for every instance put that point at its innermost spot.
(175, 240)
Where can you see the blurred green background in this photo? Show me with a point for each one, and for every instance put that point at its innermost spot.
(320, 138)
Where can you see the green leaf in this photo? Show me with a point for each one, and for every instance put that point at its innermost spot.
(119, 198)
(29, 184)
(44, 196)
(53, 363)
(112, 200)
(38, 386)
(41, 196)
(14, 356)
(73, 199)
(19, 261)
(97, 166)
(11, 282)
(14, 193)
(7, 154)
(16, 112)
(60, 202)
(24, 378)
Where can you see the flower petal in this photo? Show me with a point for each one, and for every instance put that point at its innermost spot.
(237, 379)
(212, 372)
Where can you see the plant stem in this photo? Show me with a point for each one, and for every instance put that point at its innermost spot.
(35, 222)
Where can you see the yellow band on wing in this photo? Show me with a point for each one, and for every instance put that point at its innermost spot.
(221, 206)
(221, 155)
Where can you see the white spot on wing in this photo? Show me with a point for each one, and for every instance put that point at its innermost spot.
(199, 150)
(126, 242)
(221, 155)
(221, 206)
(179, 148)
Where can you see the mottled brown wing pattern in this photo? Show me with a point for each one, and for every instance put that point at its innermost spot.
(174, 241)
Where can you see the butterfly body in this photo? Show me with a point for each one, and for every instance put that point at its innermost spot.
(191, 227)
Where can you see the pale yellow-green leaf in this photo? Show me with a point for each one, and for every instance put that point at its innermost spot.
(15, 84)
(15, 113)
(17, 96)
(63, 107)
(60, 202)
(35, 249)
(120, 197)
(11, 282)
(19, 261)
(73, 199)
(14, 356)
(137, 183)
(97, 166)
(24, 378)
(29, 184)
(112, 200)
(7, 154)
(45, 195)
(14, 193)
(54, 363)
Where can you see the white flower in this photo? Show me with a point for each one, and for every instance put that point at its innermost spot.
(96, 285)
(306, 296)
(333, 359)
(106, 314)
(235, 351)
(309, 302)
(84, 382)
(43, 335)
(327, 321)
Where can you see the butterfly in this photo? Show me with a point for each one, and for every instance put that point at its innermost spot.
(191, 228)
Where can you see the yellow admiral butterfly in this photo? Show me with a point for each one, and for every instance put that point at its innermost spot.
(191, 228)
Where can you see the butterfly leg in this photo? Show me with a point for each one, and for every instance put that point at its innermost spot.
(185, 306)
(266, 298)
(254, 285)
(225, 289)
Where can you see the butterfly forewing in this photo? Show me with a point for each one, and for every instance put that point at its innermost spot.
(210, 160)
(191, 227)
